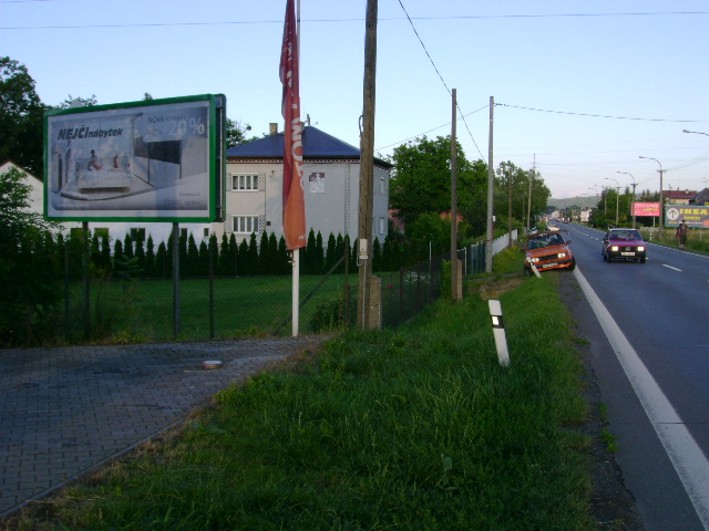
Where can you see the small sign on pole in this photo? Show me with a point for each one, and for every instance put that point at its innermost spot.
(498, 330)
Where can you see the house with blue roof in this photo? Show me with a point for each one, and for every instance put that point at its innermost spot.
(331, 168)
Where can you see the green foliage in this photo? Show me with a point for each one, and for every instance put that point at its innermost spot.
(430, 227)
(511, 194)
(21, 118)
(29, 267)
(236, 133)
(335, 314)
(421, 181)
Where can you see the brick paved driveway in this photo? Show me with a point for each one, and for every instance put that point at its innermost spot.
(65, 411)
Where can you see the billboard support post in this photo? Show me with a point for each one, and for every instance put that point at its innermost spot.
(176, 277)
(85, 278)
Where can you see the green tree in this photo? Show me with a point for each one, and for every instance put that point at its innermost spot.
(421, 181)
(21, 118)
(163, 263)
(252, 256)
(430, 232)
(150, 257)
(203, 259)
(242, 265)
(236, 133)
(29, 290)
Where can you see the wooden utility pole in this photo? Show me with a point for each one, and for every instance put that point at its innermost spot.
(529, 200)
(490, 184)
(454, 202)
(366, 168)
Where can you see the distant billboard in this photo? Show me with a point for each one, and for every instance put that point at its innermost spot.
(154, 160)
(646, 209)
(696, 216)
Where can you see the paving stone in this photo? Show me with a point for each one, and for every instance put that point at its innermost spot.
(67, 410)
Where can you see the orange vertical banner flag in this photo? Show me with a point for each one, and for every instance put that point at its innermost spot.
(293, 197)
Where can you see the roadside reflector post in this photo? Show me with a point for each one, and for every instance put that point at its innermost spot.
(498, 330)
(535, 270)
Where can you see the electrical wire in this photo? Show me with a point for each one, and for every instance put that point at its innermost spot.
(588, 115)
(440, 77)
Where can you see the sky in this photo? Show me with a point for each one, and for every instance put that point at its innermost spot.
(581, 89)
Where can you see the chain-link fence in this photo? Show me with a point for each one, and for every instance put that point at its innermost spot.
(219, 293)
(409, 290)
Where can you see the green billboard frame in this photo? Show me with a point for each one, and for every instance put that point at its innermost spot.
(159, 160)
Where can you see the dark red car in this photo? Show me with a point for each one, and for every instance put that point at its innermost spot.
(624, 244)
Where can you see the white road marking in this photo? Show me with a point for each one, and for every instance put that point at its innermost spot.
(689, 461)
(671, 267)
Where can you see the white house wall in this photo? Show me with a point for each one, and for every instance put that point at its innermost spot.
(331, 191)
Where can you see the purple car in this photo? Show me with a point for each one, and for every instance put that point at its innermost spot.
(624, 244)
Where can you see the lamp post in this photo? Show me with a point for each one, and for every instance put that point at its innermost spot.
(634, 185)
(617, 197)
(662, 203)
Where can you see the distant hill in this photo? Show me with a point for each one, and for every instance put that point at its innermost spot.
(583, 202)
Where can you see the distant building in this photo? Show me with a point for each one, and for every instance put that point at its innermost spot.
(701, 199)
(678, 197)
(331, 171)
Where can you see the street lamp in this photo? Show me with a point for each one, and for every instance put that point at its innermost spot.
(634, 185)
(662, 205)
(617, 197)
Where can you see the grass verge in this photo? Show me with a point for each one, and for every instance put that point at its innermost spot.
(418, 428)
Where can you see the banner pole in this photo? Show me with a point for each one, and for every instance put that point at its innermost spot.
(295, 299)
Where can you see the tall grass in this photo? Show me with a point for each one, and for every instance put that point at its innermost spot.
(418, 428)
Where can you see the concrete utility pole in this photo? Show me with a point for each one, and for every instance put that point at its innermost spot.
(490, 184)
(529, 201)
(366, 168)
(454, 201)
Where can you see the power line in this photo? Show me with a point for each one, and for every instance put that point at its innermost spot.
(419, 135)
(440, 77)
(588, 115)
(529, 16)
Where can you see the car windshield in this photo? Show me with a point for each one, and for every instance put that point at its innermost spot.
(625, 235)
(545, 240)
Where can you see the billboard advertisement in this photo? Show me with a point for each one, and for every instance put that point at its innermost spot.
(646, 209)
(154, 160)
(696, 216)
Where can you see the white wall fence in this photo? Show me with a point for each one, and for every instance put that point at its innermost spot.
(473, 256)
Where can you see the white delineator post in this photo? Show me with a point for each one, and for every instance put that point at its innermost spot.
(498, 330)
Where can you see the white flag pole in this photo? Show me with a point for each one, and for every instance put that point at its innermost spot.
(295, 297)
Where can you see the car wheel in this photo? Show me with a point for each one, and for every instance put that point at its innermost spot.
(643, 259)
(573, 265)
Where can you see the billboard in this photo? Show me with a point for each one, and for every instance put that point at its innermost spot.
(154, 160)
(696, 216)
(646, 209)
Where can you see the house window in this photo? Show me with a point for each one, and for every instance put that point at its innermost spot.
(245, 224)
(382, 186)
(206, 232)
(382, 225)
(244, 182)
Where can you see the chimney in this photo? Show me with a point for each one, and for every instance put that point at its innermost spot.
(273, 128)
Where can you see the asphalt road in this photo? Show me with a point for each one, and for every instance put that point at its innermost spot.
(651, 358)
